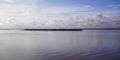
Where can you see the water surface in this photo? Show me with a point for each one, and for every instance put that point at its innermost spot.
(60, 45)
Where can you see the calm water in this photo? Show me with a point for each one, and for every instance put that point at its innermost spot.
(60, 45)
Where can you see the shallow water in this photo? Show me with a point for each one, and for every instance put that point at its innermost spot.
(60, 45)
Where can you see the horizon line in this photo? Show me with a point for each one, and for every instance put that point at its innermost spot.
(61, 29)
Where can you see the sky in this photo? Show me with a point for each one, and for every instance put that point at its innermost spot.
(59, 13)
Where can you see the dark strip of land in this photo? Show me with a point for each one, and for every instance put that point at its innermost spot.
(72, 29)
(63, 29)
(53, 29)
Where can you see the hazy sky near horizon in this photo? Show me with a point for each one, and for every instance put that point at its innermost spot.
(19, 11)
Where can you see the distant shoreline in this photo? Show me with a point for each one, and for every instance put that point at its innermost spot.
(81, 29)
(63, 29)
(52, 29)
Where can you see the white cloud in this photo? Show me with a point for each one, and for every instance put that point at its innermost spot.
(114, 6)
(30, 15)
(65, 9)
(8, 1)
(19, 1)
(93, 21)
(27, 14)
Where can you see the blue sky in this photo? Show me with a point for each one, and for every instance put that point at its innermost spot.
(25, 11)
(61, 7)
(95, 6)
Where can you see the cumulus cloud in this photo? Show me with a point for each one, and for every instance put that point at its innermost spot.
(25, 14)
(21, 13)
(92, 21)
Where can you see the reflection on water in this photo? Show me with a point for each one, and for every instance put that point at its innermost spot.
(63, 45)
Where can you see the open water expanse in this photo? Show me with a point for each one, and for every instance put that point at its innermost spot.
(60, 45)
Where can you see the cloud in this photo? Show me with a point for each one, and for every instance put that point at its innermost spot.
(115, 6)
(92, 21)
(100, 20)
(26, 14)
(63, 10)
(19, 1)
(8, 1)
